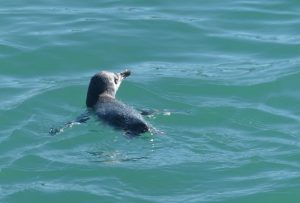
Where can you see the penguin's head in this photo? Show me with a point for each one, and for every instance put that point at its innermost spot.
(104, 83)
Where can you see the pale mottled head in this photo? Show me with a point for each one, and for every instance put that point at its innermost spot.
(104, 83)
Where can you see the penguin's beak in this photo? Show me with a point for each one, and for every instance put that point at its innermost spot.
(125, 74)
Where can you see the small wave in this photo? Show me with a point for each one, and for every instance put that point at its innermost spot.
(23, 89)
(232, 73)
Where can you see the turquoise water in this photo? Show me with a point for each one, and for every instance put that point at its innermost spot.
(222, 76)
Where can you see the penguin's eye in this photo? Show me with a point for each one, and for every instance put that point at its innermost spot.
(116, 80)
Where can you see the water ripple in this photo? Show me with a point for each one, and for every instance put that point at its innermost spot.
(234, 73)
(24, 89)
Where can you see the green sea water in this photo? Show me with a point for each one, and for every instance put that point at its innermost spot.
(222, 76)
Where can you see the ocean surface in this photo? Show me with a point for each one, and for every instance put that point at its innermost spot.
(222, 77)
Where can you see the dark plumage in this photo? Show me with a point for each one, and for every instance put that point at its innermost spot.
(101, 99)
